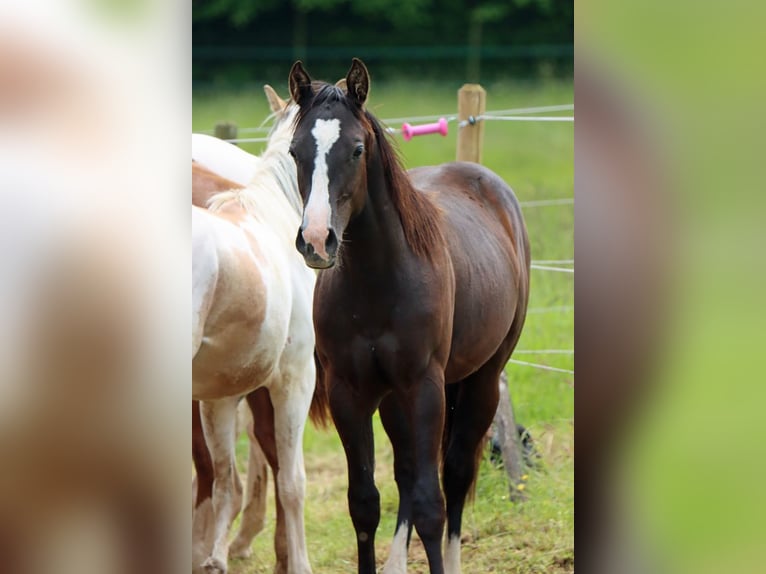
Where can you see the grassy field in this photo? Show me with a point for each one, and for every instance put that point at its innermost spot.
(536, 159)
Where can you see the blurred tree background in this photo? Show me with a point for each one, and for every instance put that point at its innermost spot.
(239, 42)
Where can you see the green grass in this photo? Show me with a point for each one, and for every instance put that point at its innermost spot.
(536, 159)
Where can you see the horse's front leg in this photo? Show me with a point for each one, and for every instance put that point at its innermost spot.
(397, 426)
(219, 424)
(254, 509)
(426, 414)
(291, 401)
(354, 423)
(202, 514)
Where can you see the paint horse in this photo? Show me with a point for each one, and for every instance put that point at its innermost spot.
(241, 167)
(252, 330)
(205, 184)
(226, 160)
(420, 302)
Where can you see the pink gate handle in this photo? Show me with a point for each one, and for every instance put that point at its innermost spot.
(439, 127)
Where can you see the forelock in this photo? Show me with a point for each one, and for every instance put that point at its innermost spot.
(325, 93)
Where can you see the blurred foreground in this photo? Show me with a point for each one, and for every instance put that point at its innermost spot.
(94, 364)
(669, 234)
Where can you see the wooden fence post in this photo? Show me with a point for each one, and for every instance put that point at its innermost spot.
(505, 424)
(225, 131)
(471, 102)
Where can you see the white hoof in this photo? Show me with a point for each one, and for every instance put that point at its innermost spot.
(214, 566)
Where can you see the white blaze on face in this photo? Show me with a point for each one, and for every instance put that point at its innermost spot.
(316, 218)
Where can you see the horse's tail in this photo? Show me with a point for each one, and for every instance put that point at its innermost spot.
(319, 411)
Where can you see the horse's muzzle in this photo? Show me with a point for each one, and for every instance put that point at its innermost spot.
(310, 255)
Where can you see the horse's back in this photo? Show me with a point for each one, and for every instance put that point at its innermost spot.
(224, 158)
(206, 183)
(459, 188)
(488, 245)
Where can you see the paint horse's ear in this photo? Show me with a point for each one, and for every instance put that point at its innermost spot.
(358, 82)
(342, 85)
(300, 84)
(276, 103)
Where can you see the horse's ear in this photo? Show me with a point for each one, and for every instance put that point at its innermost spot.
(342, 85)
(300, 83)
(276, 103)
(358, 82)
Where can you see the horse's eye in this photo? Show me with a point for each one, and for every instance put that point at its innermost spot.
(291, 151)
(358, 151)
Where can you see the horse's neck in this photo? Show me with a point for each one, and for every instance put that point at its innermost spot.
(375, 235)
(278, 171)
(280, 165)
(270, 197)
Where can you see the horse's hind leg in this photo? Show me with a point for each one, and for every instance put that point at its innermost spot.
(219, 423)
(471, 406)
(254, 510)
(398, 428)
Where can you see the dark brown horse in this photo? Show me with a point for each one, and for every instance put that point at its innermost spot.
(419, 306)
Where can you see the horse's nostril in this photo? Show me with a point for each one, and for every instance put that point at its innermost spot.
(301, 245)
(331, 244)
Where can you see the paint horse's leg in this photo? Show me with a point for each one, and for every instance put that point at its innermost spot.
(263, 425)
(203, 464)
(291, 399)
(354, 424)
(254, 510)
(219, 421)
(397, 426)
(472, 404)
(202, 515)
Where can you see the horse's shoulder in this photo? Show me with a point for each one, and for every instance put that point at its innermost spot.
(223, 231)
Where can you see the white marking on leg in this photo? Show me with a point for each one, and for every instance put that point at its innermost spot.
(254, 510)
(318, 212)
(452, 555)
(291, 399)
(397, 559)
(219, 422)
(203, 525)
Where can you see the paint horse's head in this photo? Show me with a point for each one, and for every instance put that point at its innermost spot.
(330, 147)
